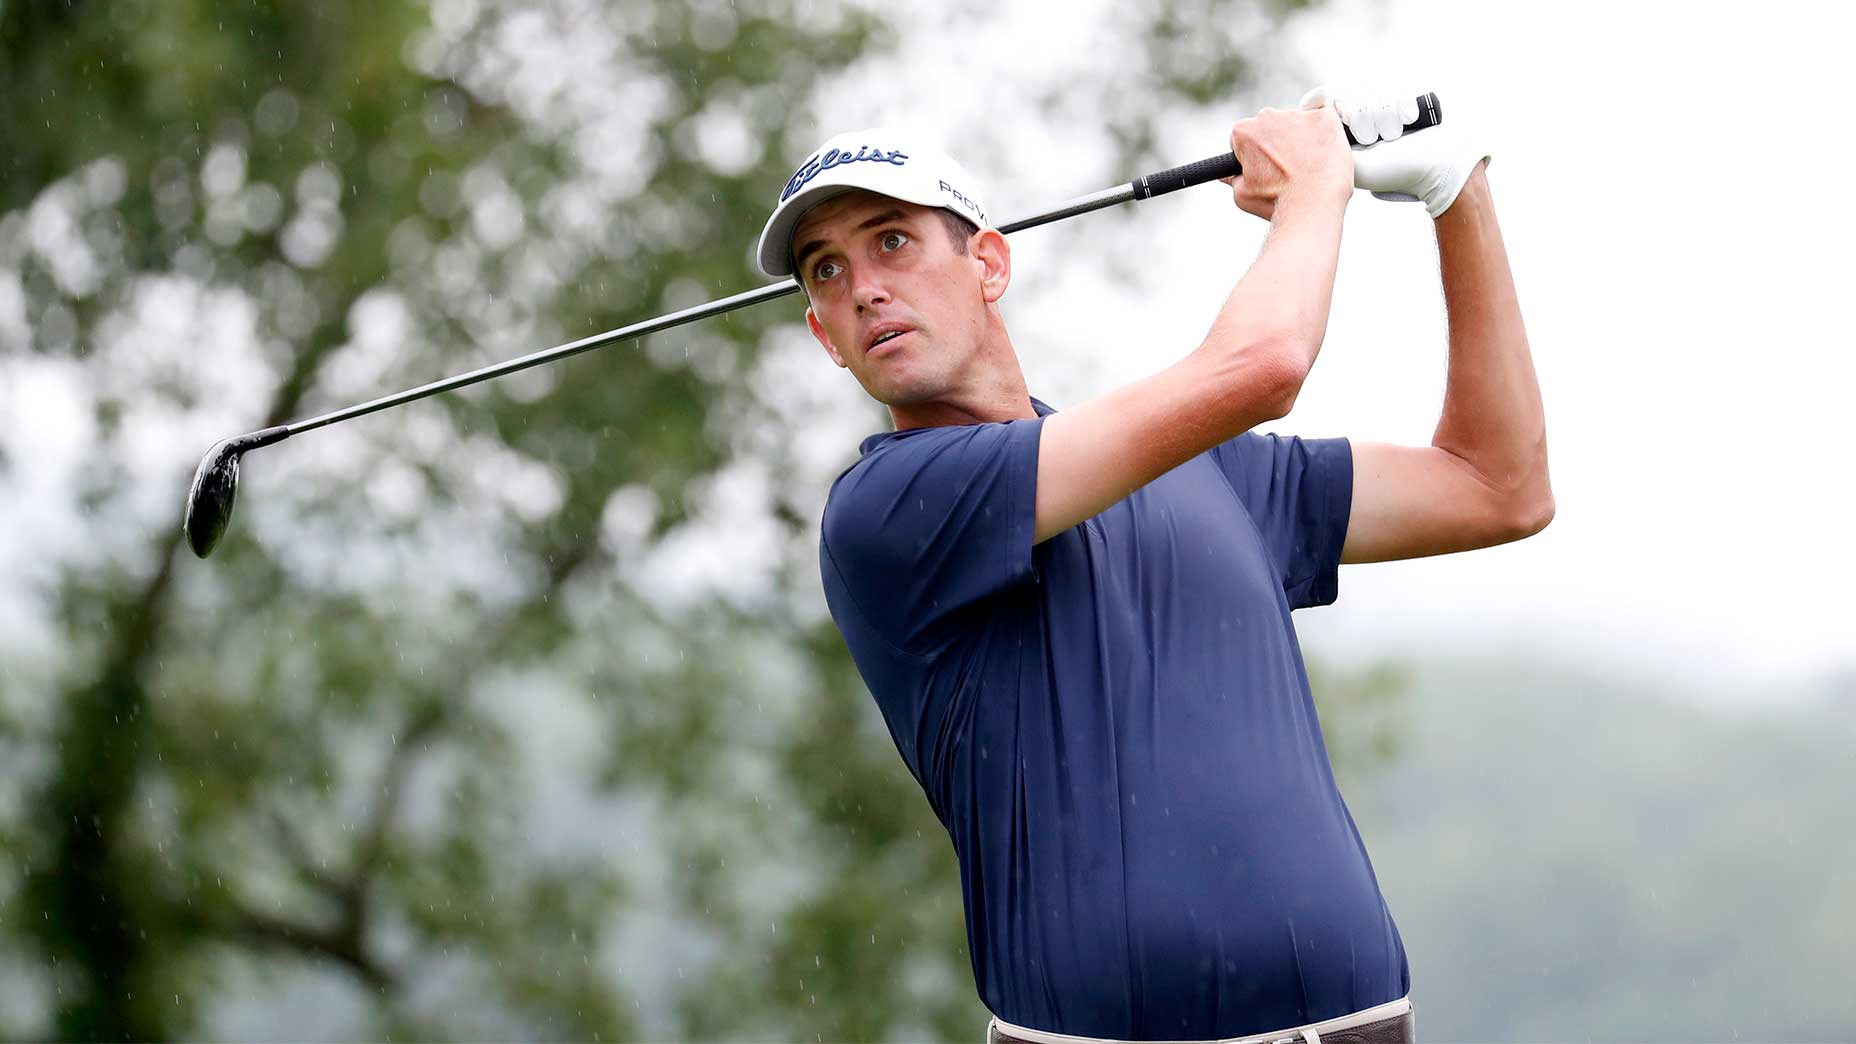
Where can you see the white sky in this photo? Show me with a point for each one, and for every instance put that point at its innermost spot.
(1668, 179)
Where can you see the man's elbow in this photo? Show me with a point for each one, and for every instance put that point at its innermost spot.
(1527, 515)
(1273, 377)
(1255, 373)
(1523, 503)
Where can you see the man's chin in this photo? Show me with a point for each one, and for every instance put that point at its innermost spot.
(902, 395)
(903, 398)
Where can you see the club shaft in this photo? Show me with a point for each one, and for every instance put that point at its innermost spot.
(772, 291)
(1079, 205)
(585, 344)
(1223, 164)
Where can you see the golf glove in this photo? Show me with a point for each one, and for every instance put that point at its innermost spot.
(1430, 168)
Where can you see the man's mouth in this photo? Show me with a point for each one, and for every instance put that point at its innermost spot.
(887, 336)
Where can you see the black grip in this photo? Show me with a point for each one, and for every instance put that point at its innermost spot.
(1225, 165)
(1173, 179)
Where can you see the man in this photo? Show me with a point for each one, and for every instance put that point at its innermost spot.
(1076, 623)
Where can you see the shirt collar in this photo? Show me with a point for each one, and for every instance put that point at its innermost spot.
(873, 441)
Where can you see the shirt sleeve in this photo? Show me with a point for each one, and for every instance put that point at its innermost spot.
(931, 522)
(1299, 492)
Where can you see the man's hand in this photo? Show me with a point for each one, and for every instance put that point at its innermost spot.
(1429, 168)
(1290, 155)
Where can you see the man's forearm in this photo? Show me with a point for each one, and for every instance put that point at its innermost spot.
(1492, 414)
(1283, 301)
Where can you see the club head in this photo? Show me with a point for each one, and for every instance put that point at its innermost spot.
(209, 501)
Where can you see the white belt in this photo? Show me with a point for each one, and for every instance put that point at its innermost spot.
(1310, 1033)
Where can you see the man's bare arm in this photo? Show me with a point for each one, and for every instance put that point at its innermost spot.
(1483, 480)
(1250, 367)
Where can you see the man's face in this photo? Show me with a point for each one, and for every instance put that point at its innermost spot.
(871, 265)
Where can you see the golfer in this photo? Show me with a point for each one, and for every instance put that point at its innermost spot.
(1076, 623)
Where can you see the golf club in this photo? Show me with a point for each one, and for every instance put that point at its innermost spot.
(215, 484)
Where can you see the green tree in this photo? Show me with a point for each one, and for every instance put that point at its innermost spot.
(517, 709)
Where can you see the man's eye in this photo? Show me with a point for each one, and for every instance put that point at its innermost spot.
(825, 270)
(897, 236)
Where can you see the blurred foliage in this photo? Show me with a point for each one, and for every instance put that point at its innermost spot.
(431, 719)
(1362, 716)
(1574, 858)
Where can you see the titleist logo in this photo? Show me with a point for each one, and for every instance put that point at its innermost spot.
(838, 158)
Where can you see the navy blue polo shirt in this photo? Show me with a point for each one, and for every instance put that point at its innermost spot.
(1116, 729)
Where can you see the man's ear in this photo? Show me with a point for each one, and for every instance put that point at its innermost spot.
(994, 254)
(818, 331)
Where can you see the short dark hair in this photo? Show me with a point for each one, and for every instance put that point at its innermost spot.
(958, 228)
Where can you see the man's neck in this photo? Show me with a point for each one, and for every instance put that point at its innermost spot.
(944, 412)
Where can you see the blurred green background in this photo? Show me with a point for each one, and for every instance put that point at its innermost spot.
(516, 713)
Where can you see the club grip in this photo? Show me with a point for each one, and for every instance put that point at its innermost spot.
(1225, 165)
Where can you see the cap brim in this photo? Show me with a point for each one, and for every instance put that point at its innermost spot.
(775, 252)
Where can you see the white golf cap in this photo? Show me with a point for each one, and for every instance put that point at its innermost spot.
(897, 163)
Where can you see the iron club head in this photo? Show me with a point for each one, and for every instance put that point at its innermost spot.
(209, 502)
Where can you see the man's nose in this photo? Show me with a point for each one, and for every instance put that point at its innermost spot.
(867, 291)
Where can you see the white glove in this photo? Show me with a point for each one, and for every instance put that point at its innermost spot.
(1428, 167)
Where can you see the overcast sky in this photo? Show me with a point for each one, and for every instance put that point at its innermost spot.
(1669, 183)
